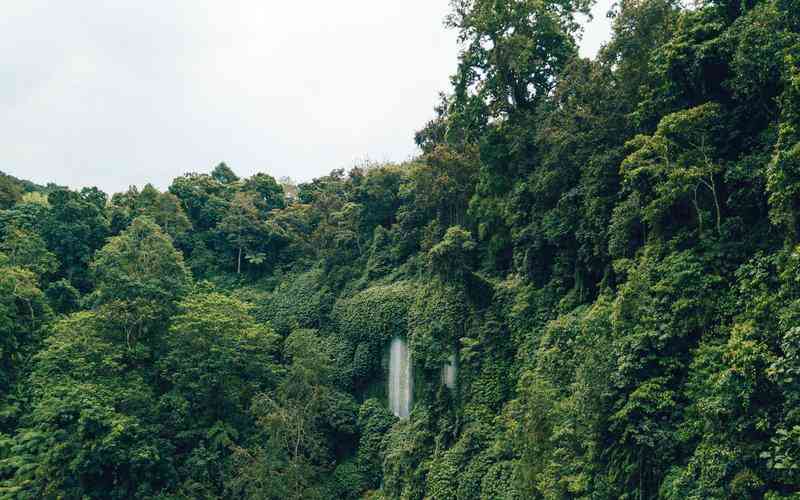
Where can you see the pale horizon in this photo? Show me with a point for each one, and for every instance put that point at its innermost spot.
(146, 91)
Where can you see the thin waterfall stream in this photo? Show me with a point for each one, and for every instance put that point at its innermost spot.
(401, 385)
(450, 372)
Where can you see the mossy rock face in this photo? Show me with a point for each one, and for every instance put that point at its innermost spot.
(374, 422)
(348, 480)
(369, 320)
(431, 317)
(457, 472)
(437, 321)
(408, 446)
(376, 314)
(300, 302)
(499, 482)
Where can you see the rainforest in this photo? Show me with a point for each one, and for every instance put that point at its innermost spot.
(586, 285)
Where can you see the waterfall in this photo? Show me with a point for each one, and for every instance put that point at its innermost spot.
(400, 378)
(449, 372)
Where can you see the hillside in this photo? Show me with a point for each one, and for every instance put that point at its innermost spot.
(586, 286)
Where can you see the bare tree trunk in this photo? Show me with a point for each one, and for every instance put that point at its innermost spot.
(712, 186)
(239, 262)
(697, 209)
(716, 206)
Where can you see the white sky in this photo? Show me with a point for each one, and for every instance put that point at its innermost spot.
(134, 91)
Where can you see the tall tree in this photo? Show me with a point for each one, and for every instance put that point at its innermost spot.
(215, 360)
(74, 228)
(26, 249)
(269, 193)
(242, 226)
(23, 313)
(10, 191)
(139, 275)
(223, 173)
(294, 419)
(514, 50)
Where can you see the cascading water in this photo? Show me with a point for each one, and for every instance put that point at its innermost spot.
(450, 372)
(400, 378)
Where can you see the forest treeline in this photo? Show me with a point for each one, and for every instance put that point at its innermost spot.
(609, 247)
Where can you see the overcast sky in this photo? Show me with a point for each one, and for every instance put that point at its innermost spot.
(127, 92)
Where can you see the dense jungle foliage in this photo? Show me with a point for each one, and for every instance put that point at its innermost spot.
(610, 247)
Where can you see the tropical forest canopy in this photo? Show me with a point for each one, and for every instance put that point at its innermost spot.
(607, 248)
